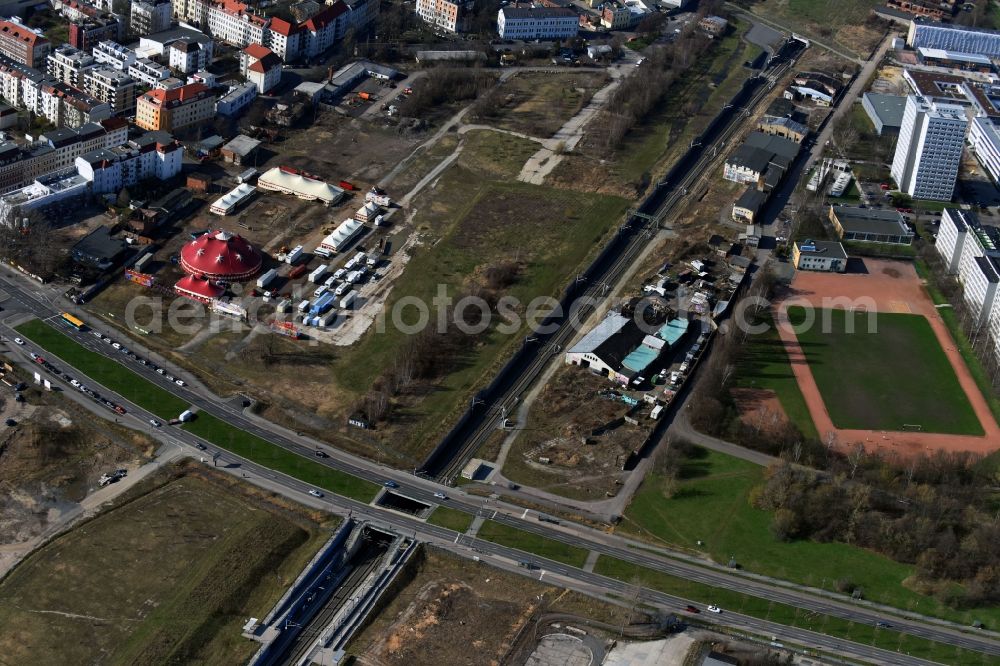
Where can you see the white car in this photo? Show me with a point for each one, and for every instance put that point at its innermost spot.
(315, 493)
(714, 609)
(179, 382)
(116, 345)
(440, 496)
(155, 423)
(19, 341)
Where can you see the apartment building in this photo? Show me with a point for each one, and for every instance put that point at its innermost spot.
(149, 16)
(971, 252)
(235, 23)
(170, 110)
(147, 72)
(984, 138)
(22, 44)
(261, 67)
(236, 99)
(537, 23)
(115, 88)
(154, 155)
(445, 15)
(87, 33)
(69, 64)
(55, 151)
(929, 149)
(114, 55)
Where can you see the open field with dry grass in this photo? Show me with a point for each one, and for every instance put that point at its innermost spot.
(168, 574)
(451, 611)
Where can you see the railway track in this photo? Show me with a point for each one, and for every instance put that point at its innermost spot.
(642, 225)
(370, 558)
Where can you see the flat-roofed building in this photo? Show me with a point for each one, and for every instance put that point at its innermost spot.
(812, 255)
(870, 225)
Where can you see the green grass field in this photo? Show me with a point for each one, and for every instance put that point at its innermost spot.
(532, 543)
(887, 378)
(169, 577)
(734, 601)
(711, 505)
(451, 519)
(109, 373)
(764, 365)
(164, 404)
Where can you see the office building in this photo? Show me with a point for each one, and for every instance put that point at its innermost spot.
(929, 149)
(870, 225)
(828, 256)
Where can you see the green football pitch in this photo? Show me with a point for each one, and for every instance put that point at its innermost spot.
(893, 377)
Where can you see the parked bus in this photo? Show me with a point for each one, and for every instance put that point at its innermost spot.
(72, 321)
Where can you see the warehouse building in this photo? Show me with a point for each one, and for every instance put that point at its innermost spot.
(603, 349)
(885, 111)
(870, 225)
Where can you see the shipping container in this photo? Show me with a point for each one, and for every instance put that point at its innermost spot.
(246, 176)
(297, 272)
(304, 305)
(345, 185)
(267, 278)
(283, 305)
(328, 318)
(348, 301)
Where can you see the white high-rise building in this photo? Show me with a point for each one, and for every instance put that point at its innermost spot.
(929, 149)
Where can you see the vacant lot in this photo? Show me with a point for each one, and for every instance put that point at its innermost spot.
(169, 577)
(450, 611)
(842, 23)
(887, 378)
(560, 428)
(709, 503)
(474, 218)
(539, 103)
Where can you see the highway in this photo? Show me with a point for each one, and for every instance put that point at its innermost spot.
(27, 300)
(487, 413)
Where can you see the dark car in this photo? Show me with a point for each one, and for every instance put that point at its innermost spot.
(321, 454)
(691, 609)
(391, 484)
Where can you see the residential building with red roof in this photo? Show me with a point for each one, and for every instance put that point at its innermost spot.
(21, 44)
(261, 67)
(170, 110)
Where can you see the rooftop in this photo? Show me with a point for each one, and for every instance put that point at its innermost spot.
(990, 268)
(242, 145)
(871, 220)
(597, 336)
(888, 108)
(831, 249)
(751, 199)
(536, 12)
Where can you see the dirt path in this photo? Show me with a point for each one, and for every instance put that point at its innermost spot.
(889, 286)
(11, 554)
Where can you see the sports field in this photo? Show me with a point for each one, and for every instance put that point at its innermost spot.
(892, 378)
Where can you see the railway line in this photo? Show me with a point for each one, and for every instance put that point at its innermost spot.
(448, 459)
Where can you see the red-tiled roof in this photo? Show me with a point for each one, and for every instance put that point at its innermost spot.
(22, 34)
(257, 51)
(283, 27)
(324, 18)
(265, 64)
(181, 94)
